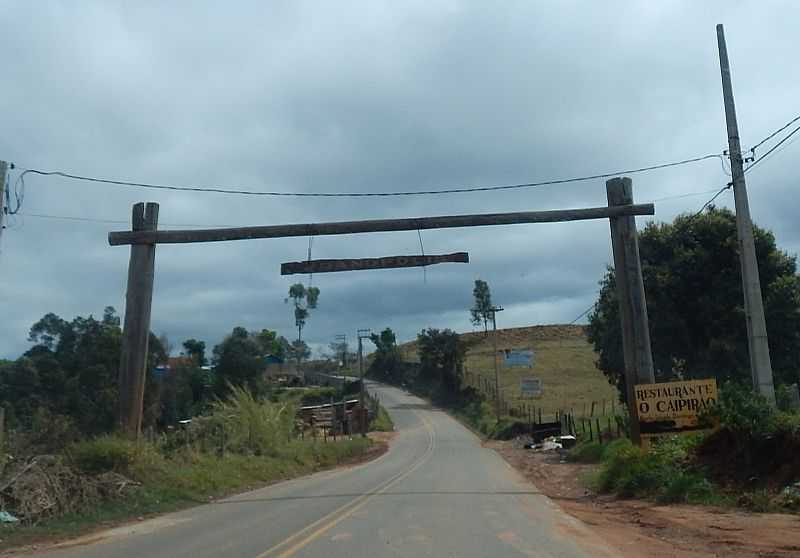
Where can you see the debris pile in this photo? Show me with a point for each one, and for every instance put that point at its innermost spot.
(44, 486)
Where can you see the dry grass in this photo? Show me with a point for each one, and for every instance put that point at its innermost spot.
(564, 360)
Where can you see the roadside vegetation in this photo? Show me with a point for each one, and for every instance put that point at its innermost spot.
(752, 460)
(242, 442)
(208, 431)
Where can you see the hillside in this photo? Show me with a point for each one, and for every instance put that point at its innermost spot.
(564, 360)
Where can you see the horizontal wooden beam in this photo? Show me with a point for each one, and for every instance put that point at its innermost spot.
(378, 225)
(387, 262)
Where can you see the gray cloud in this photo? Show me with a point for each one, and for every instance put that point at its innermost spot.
(367, 97)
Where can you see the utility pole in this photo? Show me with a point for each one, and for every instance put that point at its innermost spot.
(3, 171)
(341, 339)
(758, 345)
(362, 334)
(494, 310)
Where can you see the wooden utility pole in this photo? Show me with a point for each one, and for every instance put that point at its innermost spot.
(362, 334)
(758, 345)
(636, 350)
(495, 310)
(136, 332)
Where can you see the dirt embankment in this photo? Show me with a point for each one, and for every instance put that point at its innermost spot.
(639, 529)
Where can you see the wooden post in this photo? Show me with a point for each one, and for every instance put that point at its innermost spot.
(136, 333)
(2, 427)
(638, 357)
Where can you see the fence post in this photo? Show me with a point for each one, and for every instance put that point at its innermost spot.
(591, 432)
(599, 431)
(591, 413)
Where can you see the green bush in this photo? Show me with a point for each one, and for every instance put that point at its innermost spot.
(586, 452)
(319, 396)
(742, 411)
(382, 422)
(104, 453)
(664, 473)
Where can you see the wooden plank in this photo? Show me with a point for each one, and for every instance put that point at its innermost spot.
(136, 333)
(387, 262)
(119, 238)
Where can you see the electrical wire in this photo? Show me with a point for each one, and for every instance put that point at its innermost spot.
(462, 190)
(772, 149)
(773, 134)
(582, 314)
(192, 225)
(111, 221)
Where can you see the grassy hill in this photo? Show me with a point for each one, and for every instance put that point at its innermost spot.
(564, 360)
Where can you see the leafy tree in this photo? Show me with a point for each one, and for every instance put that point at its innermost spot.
(196, 350)
(692, 279)
(441, 354)
(70, 375)
(482, 309)
(237, 361)
(386, 364)
(298, 350)
(304, 299)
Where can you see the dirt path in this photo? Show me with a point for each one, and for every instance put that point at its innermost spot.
(641, 529)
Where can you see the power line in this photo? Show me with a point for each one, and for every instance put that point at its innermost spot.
(191, 225)
(772, 149)
(582, 314)
(220, 190)
(773, 134)
(109, 221)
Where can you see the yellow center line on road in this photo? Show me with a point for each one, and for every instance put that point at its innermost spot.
(341, 513)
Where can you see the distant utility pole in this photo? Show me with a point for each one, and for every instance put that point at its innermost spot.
(494, 310)
(342, 340)
(758, 345)
(3, 171)
(362, 334)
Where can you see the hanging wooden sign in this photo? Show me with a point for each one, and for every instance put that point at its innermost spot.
(327, 266)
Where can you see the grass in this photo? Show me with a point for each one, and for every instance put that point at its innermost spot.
(382, 422)
(564, 360)
(185, 468)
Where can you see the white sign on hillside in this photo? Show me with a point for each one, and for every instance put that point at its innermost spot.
(531, 387)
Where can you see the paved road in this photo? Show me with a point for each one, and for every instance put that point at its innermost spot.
(437, 492)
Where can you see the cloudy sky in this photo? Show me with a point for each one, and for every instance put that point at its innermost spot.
(368, 97)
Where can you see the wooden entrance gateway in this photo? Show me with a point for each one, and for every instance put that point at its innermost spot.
(144, 235)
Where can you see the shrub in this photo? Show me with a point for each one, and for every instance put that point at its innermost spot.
(664, 472)
(104, 453)
(742, 411)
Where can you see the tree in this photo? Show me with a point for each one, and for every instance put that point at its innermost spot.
(195, 350)
(304, 299)
(441, 355)
(298, 350)
(482, 309)
(692, 280)
(237, 361)
(386, 364)
(70, 374)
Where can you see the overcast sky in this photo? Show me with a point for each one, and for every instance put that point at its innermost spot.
(369, 96)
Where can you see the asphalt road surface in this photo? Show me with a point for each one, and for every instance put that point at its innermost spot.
(437, 492)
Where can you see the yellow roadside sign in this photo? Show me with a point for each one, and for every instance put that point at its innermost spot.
(673, 407)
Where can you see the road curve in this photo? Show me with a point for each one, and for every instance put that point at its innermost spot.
(437, 492)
